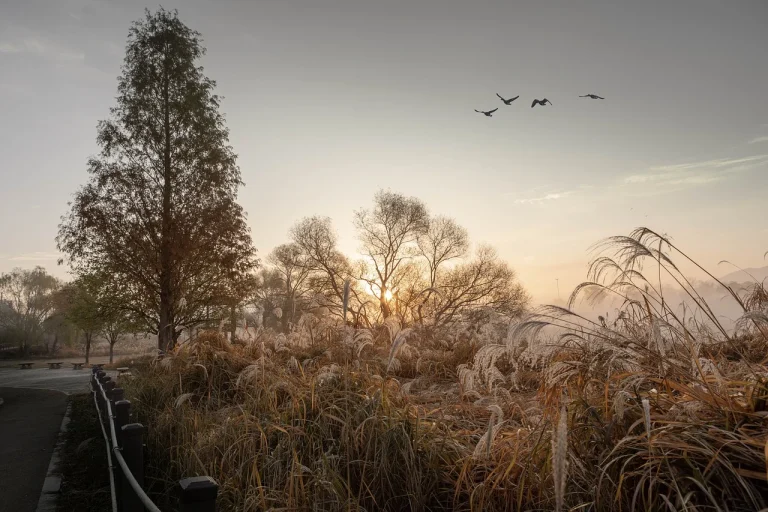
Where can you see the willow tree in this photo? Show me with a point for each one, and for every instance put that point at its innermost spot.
(159, 212)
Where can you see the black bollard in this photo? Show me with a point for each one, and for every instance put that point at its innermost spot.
(133, 453)
(198, 494)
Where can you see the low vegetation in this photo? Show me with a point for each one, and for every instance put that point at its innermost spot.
(84, 476)
(660, 408)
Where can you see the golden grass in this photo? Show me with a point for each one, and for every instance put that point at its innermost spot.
(652, 412)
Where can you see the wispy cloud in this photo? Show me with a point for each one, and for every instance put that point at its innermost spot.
(36, 256)
(759, 139)
(677, 176)
(6, 47)
(545, 198)
(39, 47)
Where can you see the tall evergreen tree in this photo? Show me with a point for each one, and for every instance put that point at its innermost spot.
(159, 214)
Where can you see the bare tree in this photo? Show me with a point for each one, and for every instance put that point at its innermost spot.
(291, 262)
(388, 233)
(483, 282)
(329, 267)
(443, 240)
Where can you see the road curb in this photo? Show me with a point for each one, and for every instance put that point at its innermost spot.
(52, 483)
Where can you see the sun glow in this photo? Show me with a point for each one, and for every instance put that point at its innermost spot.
(374, 290)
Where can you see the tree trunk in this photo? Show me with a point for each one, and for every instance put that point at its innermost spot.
(111, 351)
(87, 347)
(233, 323)
(287, 313)
(385, 309)
(165, 336)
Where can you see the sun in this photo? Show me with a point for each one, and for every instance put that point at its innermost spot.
(388, 295)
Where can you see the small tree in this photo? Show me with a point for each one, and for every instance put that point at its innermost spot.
(85, 310)
(291, 262)
(116, 324)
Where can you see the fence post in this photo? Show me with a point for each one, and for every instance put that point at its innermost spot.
(108, 387)
(133, 453)
(122, 415)
(122, 410)
(198, 494)
(117, 395)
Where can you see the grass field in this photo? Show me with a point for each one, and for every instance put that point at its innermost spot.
(649, 411)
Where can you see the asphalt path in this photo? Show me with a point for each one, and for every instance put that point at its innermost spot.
(29, 425)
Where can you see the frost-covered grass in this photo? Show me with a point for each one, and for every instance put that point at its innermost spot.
(649, 411)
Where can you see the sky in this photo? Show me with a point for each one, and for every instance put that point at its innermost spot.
(329, 101)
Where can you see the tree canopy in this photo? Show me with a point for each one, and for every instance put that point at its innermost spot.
(26, 303)
(415, 267)
(159, 214)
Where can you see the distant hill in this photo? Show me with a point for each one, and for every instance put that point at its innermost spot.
(742, 276)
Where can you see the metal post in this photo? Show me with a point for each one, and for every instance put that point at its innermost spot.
(198, 494)
(133, 452)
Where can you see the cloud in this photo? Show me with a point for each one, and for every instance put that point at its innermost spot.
(42, 48)
(36, 256)
(6, 47)
(759, 139)
(677, 176)
(548, 197)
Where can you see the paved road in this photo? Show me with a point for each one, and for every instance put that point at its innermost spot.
(29, 423)
(35, 402)
(63, 379)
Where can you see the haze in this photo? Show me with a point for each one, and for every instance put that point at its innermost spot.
(329, 101)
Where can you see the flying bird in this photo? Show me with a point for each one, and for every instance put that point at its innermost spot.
(540, 102)
(509, 101)
(488, 113)
(593, 96)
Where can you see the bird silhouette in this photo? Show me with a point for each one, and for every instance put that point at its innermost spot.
(593, 96)
(488, 113)
(540, 102)
(509, 101)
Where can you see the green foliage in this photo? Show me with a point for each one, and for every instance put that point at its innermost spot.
(159, 214)
(27, 301)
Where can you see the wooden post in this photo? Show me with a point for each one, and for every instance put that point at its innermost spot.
(198, 494)
(108, 387)
(133, 453)
(122, 414)
(117, 395)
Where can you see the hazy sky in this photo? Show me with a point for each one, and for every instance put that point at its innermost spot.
(328, 101)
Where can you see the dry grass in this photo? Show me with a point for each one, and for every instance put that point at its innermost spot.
(653, 411)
